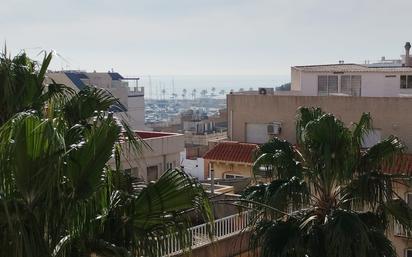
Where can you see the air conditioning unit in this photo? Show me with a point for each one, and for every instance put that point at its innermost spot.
(274, 128)
(266, 91)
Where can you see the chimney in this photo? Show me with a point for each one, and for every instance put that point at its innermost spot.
(407, 58)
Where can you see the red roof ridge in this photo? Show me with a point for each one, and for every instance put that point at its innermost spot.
(232, 151)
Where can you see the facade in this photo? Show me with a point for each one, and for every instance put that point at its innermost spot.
(346, 90)
(352, 80)
(125, 89)
(257, 118)
(229, 160)
(387, 78)
(162, 152)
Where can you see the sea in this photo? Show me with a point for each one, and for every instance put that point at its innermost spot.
(186, 87)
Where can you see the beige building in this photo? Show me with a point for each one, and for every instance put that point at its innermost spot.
(229, 160)
(346, 90)
(125, 89)
(163, 152)
(257, 118)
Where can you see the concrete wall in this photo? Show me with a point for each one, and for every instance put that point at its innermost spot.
(135, 112)
(222, 167)
(162, 150)
(295, 82)
(373, 84)
(194, 167)
(391, 115)
(100, 79)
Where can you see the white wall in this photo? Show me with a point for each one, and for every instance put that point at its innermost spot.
(257, 133)
(135, 112)
(373, 84)
(194, 168)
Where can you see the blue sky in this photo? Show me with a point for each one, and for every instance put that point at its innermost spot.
(214, 37)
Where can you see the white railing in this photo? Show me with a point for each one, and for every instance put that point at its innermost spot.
(399, 230)
(202, 234)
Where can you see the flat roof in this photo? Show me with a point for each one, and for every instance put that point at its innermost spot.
(350, 67)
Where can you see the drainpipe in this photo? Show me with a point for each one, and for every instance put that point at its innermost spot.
(212, 179)
(164, 163)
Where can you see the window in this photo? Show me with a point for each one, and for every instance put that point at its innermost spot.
(408, 199)
(406, 81)
(349, 84)
(327, 85)
(356, 83)
(408, 253)
(345, 85)
(152, 173)
(322, 85)
(332, 84)
(227, 175)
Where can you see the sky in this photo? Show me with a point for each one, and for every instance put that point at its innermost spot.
(205, 37)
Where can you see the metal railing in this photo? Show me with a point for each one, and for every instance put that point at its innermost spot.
(399, 230)
(203, 234)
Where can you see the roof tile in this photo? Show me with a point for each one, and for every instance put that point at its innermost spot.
(232, 151)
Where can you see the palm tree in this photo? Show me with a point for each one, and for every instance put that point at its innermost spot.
(327, 195)
(58, 196)
(194, 92)
(203, 93)
(22, 86)
(213, 91)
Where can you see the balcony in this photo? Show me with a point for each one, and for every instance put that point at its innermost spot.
(204, 234)
(136, 91)
(400, 231)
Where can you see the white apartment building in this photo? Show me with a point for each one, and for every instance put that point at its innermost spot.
(384, 79)
(126, 89)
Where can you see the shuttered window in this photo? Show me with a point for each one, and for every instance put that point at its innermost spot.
(356, 82)
(332, 84)
(322, 85)
(406, 81)
(327, 85)
(345, 85)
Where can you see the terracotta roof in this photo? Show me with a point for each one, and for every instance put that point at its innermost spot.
(232, 152)
(350, 67)
(402, 165)
(153, 134)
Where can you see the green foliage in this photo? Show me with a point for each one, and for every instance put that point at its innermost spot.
(310, 206)
(58, 196)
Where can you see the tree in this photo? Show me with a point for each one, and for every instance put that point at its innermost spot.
(22, 86)
(203, 93)
(58, 196)
(213, 92)
(314, 204)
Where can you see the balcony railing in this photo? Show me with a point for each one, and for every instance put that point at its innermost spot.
(399, 230)
(136, 91)
(202, 235)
